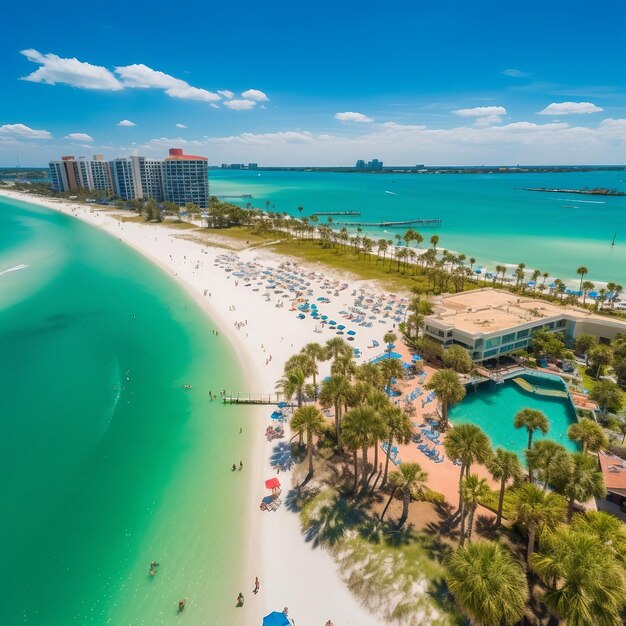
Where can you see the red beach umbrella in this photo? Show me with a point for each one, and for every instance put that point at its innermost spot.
(272, 483)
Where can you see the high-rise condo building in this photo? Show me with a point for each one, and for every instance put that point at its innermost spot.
(180, 178)
(71, 173)
(186, 179)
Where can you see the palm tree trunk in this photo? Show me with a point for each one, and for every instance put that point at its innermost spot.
(375, 456)
(531, 543)
(500, 503)
(338, 424)
(309, 443)
(364, 476)
(387, 462)
(356, 471)
(462, 523)
(530, 443)
(393, 493)
(470, 525)
(406, 501)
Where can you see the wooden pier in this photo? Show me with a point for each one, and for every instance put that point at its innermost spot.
(254, 398)
(415, 222)
(337, 213)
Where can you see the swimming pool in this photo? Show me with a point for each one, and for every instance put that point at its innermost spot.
(493, 407)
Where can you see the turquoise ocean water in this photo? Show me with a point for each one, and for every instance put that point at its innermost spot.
(489, 217)
(106, 461)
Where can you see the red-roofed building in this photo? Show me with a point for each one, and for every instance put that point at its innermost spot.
(186, 178)
(614, 472)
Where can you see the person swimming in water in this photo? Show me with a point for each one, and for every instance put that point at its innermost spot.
(181, 605)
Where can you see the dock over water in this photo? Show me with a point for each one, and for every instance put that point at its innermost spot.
(416, 222)
(254, 398)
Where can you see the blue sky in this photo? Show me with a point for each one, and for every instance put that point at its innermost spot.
(323, 83)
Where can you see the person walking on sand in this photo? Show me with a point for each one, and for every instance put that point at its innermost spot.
(257, 585)
(240, 465)
(240, 599)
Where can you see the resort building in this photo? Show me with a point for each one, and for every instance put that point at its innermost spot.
(186, 179)
(491, 322)
(373, 165)
(614, 473)
(179, 178)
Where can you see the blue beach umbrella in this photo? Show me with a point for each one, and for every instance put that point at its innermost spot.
(351, 333)
(416, 357)
(332, 322)
(276, 618)
(324, 317)
(593, 294)
(341, 327)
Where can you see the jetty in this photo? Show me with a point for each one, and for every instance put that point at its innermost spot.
(245, 195)
(336, 213)
(254, 398)
(597, 191)
(415, 222)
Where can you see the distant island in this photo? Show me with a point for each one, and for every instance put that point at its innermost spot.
(596, 191)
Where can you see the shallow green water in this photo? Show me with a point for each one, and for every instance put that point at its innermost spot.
(486, 216)
(106, 461)
(493, 407)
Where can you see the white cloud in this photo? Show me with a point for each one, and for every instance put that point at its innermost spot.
(255, 94)
(570, 108)
(226, 94)
(179, 125)
(215, 106)
(140, 76)
(21, 131)
(126, 123)
(240, 105)
(73, 72)
(515, 73)
(352, 116)
(484, 116)
(79, 137)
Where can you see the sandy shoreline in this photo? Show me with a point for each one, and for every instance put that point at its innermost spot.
(291, 572)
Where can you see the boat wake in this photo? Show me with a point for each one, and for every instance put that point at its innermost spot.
(592, 201)
(391, 193)
(14, 269)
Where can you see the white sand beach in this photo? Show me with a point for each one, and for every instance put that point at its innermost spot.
(240, 292)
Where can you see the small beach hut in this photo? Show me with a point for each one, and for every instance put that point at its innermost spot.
(276, 618)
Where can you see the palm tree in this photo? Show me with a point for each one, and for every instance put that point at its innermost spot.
(487, 583)
(390, 369)
(587, 286)
(358, 426)
(587, 585)
(371, 374)
(338, 347)
(382, 246)
(308, 420)
(434, 240)
(317, 353)
(399, 428)
(590, 433)
(504, 466)
(449, 391)
(335, 392)
(606, 527)
(469, 444)
(548, 459)
(536, 510)
(390, 338)
(532, 420)
(500, 269)
(407, 481)
(581, 271)
(292, 384)
(579, 481)
(473, 489)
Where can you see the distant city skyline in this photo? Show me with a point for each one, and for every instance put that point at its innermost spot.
(440, 85)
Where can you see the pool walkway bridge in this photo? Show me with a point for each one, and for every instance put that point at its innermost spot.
(540, 391)
(255, 398)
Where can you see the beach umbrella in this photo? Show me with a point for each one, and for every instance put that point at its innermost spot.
(351, 333)
(332, 323)
(593, 294)
(341, 327)
(272, 483)
(324, 317)
(416, 357)
(391, 346)
(276, 618)
(406, 366)
(282, 405)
